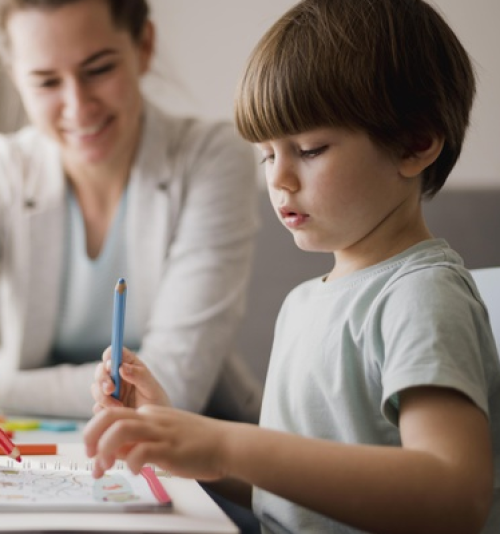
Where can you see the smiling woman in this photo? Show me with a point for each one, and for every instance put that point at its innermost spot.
(77, 76)
(102, 185)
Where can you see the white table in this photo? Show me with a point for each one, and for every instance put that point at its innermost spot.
(194, 511)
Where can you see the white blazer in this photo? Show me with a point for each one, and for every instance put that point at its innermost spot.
(191, 222)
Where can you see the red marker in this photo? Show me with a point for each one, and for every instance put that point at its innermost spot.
(9, 447)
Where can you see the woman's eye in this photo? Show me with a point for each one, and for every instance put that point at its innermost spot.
(313, 152)
(49, 83)
(101, 70)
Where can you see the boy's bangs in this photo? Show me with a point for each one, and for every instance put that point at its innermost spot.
(277, 100)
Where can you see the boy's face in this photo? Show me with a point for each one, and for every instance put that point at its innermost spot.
(336, 191)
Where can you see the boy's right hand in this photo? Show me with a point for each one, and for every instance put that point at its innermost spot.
(138, 387)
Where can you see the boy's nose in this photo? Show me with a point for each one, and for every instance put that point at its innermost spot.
(282, 176)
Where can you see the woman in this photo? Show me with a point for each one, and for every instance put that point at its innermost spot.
(103, 185)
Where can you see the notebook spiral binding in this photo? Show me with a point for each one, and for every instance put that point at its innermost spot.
(58, 465)
(71, 465)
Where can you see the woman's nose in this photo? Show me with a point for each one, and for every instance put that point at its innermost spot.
(77, 100)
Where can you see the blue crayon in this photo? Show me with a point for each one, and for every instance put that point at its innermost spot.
(117, 333)
(56, 425)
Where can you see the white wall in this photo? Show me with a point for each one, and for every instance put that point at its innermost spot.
(203, 45)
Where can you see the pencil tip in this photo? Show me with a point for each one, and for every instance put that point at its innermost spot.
(121, 286)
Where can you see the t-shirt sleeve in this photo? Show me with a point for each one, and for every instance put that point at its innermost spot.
(435, 332)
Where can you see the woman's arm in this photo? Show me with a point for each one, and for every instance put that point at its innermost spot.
(200, 298)
(440, 481)
(60, 391)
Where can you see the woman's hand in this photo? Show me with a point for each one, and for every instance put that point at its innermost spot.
(186, 444)
(138, 386)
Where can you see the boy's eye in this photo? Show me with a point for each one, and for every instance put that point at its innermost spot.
(313, 152)
(266, 158)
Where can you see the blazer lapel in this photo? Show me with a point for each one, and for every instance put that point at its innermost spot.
(44, 225)
(151, 211)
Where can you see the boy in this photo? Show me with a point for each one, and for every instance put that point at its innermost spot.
(383, 388)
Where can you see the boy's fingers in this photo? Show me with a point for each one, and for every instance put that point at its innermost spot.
(118, 432)
(102, 383)
(144, 383)
(127, 357)
(99, 372)
(102, 397)
(153, 411)
(137, 375)
(98, 425)
(101, 463)
(130, 357)
(106, 355)
(124, 435)
(143, 453)
(107, 386)
(95, 391)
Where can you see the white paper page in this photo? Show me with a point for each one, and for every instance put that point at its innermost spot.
(39, 486)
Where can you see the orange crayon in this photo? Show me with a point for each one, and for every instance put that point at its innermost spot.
(30, 449)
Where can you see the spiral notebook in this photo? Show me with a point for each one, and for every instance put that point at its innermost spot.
(54, 486)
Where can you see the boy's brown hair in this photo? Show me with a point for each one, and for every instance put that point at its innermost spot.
(391, 68)
(130, 15)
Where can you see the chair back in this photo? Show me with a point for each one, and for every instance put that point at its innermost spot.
(488, 283)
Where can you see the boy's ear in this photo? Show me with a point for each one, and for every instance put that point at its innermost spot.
(422, 156)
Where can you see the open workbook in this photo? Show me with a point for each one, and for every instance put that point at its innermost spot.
(34, 486)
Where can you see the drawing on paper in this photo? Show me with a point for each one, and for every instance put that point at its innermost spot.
(39, 486)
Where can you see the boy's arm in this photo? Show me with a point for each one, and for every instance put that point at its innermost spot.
(440, 481)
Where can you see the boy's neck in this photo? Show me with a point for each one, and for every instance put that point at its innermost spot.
(386, 241)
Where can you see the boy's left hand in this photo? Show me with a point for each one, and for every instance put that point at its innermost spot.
(139, 386)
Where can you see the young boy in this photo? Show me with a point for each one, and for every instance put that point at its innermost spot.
(383, 389)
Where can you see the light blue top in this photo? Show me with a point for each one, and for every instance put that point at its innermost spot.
(344, 349)
(86, 311)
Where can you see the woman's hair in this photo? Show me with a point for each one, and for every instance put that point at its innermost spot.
(391, 68)
(130, 15)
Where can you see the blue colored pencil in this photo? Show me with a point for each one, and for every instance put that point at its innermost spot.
(117, 333)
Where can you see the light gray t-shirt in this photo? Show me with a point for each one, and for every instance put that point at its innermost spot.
(344, 349)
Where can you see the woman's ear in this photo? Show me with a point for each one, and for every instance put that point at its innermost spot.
(424, 154)
(147, 46)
